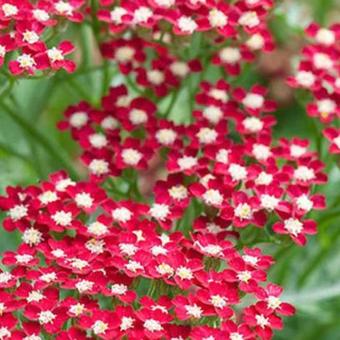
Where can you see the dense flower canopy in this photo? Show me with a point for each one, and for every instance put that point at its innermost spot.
(185, 259)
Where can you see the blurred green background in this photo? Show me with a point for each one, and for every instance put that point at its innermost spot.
(31, 147)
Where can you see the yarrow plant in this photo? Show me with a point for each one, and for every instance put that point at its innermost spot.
(182, 256)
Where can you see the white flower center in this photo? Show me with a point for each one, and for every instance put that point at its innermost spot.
(30, 36)
(187, 162)
(117, 14)
(128, 249)
(297, 150)
(84, 200)
(207, 135)
(326, 106)
(63, 8)
(119, 289)
(230, 55)
(218, 301)
(305, 78)
(78, 263)
(214, 228)
(100, 327)
(250, 259)
(62, 218)
(109, 123)
(255, 42)
(78, 119)
(178, 192)
(64, 183)
(138, 116)
(336, 141)
(184, 273)
(304, 203)
(263, 178)
(142, 14)
(122, 214)
(40, 15)
(155, 77)
(304, 173)
(5, 277)
(293, 226)
(97, 228)
(32, 236)
(46, 316)
(236, 336)
(194, 310)
(249, 19)
(186, 24)
(18, 212)
(253, 124)
(48, 277)
(269, 202)
(165, 269)
(222, 156)
(134, 266)
(2, 51)
(158, 250)
(34, 296)
(244, 211)
(211, 249)
(77, 309)
(9, 10)
(26, 61)
(213, 114)
(98, 140)
(322, 61)
(217, 18)
(99, 167)
(237, 172)
(131, 156)
(58, 253)
(124, 54)
(126, 323)
(261, 152)
(84, 285)
(261, 320)
(166, 136)
(4, 333)
(244, 276)
(180, 69)
(273, 302)
(95, 246)
(219, 95)
(24, 259)
(152, 325)
(253, 100)
(48, 197)
(325, 36)
(212, 197)
(159, 211)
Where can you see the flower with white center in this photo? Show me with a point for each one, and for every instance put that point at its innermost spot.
(165, 269)
(128, 248)
(305, 78)
(158, 250)
(166, 136)
(253, 124)
(32, 337)
(78, 263)
(142, 15)
(222, 156)
(84, 285)
(304, 203)
(124, 54)
(155, 77)
(95, 246)
(165, 239)
(293, 226)
(336, 141)
(326, 107)
(126, 323)
(30, 37)
(244, 211)
(18, 212)
(117, 14)
(237, 172)
(187, 162)
(97, 228)
(273, 302)
(230, 55)
(244, 276)
(261, 152)
(48, 277)
(99, 327)
(63, 184)
(236, 336)
(63, 218)
(322, 61)
(159, 211)
(184, 273)
(263, 178)
(217, 18)
(213, 114)
(253, 101)
(64, 8)
(98, 140)
(152, 325)
(297, 150)
(180, 68)
(194, 310)
(58, 253)
(48, 197)
(40, 15)
(46, 316)
(9, 10)
(121, 214)
(134, 266)
(109, 123)
(207, 135)
(212, 197)
(77, 309)
(250, 259)
(32, 236)
(4, 333)
(131, 156)
(83, 200)
(5, 277)
(99, 167)
(218, 301)
(138, 116)
(186, 24)
(269, 202)
(325, 37)
(34, 296)
(23, 259)
(219, 95)
(304, 173)
(2, 51)
(211, 249)
(261, 320)
(79, 119)
(55, 54)
(249, 19)
(178, 192)
(119, 289)
(255, 42)
(205, 179)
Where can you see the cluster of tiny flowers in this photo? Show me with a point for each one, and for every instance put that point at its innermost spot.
(25, 30)
(91, 266)
(319, 73)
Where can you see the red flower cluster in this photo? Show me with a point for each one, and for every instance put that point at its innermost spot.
(25, 29)
(90, 265)
(319, 73)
